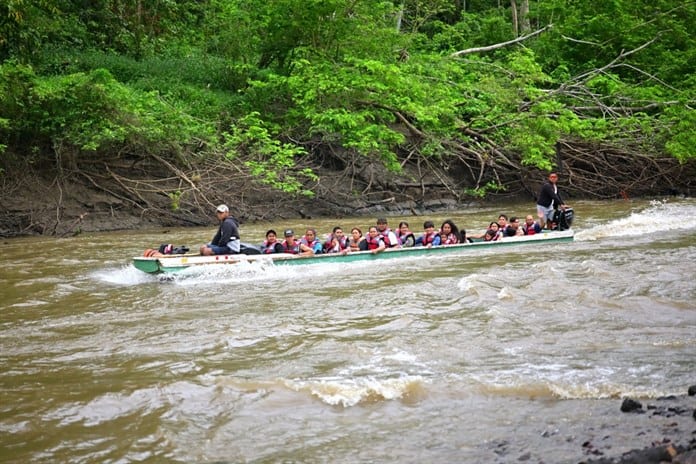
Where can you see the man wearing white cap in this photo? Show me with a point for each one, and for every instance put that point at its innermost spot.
(226, 240)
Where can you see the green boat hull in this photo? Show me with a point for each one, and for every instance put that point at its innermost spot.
(175, 263)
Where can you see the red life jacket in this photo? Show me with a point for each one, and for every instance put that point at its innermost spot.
(385, 237)
(451, 239)
(295, 249)
(268, 249)
(342, 244)
(529, 230)
(428, 238)
(373, 243)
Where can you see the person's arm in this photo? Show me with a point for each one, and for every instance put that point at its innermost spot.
(437, 240)
(305, 249)
(216, 237)
(229, 231)
(380, 248)
(317, 248)
(409, 241)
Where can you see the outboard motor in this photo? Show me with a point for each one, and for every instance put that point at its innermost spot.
(563, 219)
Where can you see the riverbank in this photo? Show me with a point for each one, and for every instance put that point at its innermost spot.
(37, 202)
(666, 432)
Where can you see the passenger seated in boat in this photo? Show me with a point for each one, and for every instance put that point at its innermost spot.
(502, 223)
(293, 246)
(449, 233)
(375, 241)
(226, 240)
(311, 242)
(491, 234)
(389, 237)
(531, 226)
(271, 244)
(513, 229)
(336, 242)
(356, 241)
(405, 236)
(430, 237)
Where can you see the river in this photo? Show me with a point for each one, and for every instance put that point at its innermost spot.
(520, 354)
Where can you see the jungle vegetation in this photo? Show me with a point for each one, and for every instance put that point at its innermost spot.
(396, 97)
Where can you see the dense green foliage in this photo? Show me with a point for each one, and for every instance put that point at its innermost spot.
(270, 83)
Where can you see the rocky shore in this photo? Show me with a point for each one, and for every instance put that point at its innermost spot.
(674, 419)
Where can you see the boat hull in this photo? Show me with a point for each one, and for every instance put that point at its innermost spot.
(175, 263)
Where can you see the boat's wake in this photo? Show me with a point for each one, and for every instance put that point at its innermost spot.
(659, 217)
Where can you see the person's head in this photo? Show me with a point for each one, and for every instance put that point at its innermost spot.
(553, 177)
(381, 224)
(428, 226)
(403, 227)
(356, 233)
(502, 220)
(289, 235)
(494, 226)
(373, 231)
(448, 227)
(529, 220)
(490, 234)
(514, 222)
(310, 234)
(271, 236)
(222, 211)
(337, 231)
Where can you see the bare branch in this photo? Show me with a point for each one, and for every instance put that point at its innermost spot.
(500, 45)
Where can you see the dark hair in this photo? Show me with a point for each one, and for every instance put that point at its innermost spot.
(358, 229)
(453, 226)
(403, 223)
(427, 224)
(502, 216)
(271, 231)
(336, 228)
(381, 220)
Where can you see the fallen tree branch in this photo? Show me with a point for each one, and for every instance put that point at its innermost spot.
(488, 48)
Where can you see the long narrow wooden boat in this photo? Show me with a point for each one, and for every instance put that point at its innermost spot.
(174, 263)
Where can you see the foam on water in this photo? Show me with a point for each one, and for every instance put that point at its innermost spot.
(352, 391)
(125, 275)
(660, 216)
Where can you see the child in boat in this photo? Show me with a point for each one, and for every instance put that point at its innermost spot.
(271, 244)
(430, 237)
(449, 233)
(491, 234)
(405, 236)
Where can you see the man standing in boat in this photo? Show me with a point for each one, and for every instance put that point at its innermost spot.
(226, 241)
(548, 201)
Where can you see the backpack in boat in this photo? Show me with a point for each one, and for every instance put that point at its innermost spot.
(248, 249)
(563, 219)
(169, 249)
